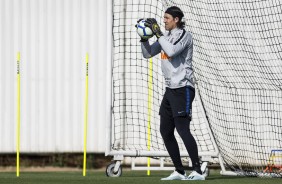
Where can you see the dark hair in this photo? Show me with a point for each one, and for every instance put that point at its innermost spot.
(174, 11)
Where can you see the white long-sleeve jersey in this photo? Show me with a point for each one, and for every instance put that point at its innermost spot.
(176, 48)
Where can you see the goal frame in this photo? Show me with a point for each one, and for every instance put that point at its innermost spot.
(118, 156)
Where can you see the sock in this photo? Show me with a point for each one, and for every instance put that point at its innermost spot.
(180, 171)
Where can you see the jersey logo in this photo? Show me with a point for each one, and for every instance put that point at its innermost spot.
(164, 56)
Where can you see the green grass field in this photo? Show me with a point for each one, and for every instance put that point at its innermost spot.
(128, 177)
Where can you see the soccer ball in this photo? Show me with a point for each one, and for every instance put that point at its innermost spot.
(143, 31)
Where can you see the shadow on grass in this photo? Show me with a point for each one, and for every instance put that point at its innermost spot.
(223, 177)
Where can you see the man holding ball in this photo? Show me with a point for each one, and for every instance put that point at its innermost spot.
(176, 48)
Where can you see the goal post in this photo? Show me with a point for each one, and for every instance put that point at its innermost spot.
(237, 112)
(127, 134)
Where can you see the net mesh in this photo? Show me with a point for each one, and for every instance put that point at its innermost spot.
(132, 95)
(237, 67)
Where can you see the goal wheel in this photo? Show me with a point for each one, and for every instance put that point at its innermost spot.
(110, 170)
(207, 172)
(205, 169)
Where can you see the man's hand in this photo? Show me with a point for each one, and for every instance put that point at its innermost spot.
(152, 23)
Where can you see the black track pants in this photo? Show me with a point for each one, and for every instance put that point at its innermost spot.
(175, 112)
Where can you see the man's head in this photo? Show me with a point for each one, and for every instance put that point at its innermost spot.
(172, 18)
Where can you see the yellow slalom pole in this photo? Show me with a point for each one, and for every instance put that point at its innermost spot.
(85, 117)
(150, 95)
(18, 112)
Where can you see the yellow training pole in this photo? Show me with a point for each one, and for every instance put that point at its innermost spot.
(150, 94)
(18, 112)
(85, 117)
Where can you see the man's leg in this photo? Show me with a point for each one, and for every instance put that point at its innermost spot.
(167, 131)
(167, 128)
(183, 128)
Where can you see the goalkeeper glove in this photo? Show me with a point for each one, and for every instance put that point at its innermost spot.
(152, 23)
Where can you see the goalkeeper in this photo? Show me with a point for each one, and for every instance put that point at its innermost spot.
(176, 48)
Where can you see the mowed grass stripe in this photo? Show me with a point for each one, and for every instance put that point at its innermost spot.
(128, 177)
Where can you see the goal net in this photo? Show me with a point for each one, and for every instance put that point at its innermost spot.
(237, 65)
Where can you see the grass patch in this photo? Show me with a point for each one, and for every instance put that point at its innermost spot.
(128, 177)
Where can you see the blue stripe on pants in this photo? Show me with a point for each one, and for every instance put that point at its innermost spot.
(188, 101)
